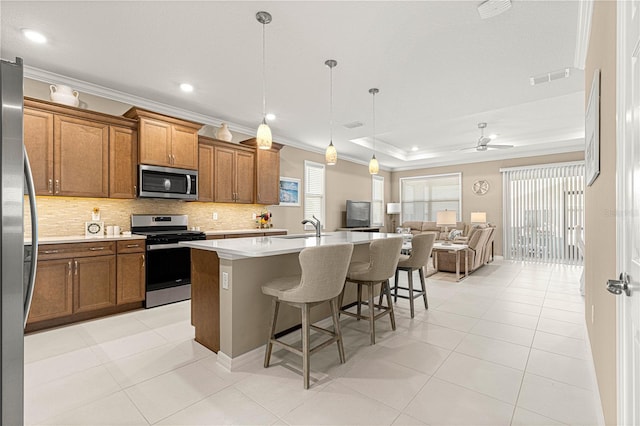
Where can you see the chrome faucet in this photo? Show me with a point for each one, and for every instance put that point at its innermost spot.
(316, 224)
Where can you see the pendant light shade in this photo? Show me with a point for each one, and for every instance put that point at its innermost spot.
(331, 155)
(374, 166)
(263, 136)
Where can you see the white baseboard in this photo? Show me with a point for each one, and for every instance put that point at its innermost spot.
(231, 364)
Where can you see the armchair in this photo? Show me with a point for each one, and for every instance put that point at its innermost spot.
(476, 252)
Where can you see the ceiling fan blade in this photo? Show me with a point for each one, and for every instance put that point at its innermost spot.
(468, 149)
(499, 146)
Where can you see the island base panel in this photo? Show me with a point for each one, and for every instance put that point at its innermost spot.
(205, 298)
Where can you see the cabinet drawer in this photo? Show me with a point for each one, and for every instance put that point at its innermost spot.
(61, 251)
(273, 233)
(133, 246)
(245, 235)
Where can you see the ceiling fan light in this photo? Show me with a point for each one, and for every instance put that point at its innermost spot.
(263, 136)
(374, 167)
(331, 155)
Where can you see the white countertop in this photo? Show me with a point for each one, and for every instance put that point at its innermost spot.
(242, 248)
(83, 239)
(244, 231)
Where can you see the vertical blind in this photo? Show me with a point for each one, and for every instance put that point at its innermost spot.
(314, 190)
(543, 208)
(377, 200)
(422, 197)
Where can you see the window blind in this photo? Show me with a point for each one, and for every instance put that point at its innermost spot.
(422, 197)
(314, 190)
(543, 209)
(377, 200)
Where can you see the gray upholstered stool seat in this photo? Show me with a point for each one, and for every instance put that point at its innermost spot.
(421, 246)
(324, 270)
(383, 259)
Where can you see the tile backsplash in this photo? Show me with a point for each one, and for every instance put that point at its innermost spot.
(61, 216)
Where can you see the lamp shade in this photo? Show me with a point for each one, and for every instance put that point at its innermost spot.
(446, 218)
(393, 208)
(478, 217)
(263, 136)
(331, 155)
(374, 167)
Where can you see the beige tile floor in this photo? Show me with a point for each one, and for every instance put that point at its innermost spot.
(505, 346)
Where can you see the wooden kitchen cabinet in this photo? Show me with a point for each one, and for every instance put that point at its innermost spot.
(70, 153)
(94, 283)
(123, 162)
(205, 172)
(267, 173)
(130, 279)
(233, 174)
(166, 141)
(52, 292)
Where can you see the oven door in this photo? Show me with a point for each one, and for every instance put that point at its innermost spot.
(168, 265)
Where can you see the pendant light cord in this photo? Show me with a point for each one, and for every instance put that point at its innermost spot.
(331, 105)
(374, 124)
(264, 78)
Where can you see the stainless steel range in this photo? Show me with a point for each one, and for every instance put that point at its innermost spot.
(168, 265)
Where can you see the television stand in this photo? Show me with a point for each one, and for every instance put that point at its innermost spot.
(361, 229)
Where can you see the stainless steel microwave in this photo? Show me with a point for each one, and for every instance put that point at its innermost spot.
(167, 182)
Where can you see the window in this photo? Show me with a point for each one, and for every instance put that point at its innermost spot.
(377, 200)
(422, 197)
(313, 191)
(543, 210)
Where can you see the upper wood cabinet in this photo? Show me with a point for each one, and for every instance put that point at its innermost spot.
(267, 173)
(166, 141)
(205, 172)
(231, 170)
(69, 151)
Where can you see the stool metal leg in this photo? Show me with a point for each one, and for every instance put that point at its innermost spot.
(305, 344)
(372, 321)
(410, 274)
(336, 328)
(424, 288)
(359, 309)
(275, 303)
(395, 287)
(385, 286)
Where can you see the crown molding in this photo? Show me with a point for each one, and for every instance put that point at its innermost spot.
(584, 31)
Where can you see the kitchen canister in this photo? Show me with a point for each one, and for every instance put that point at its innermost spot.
(223, 133)
(64, 95)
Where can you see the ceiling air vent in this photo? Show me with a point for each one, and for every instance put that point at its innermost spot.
(490, 8)
(353, 125)
(550, 76)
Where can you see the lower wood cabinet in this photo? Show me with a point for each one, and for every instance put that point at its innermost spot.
(131, 276)
(94, 283)
(52, 294)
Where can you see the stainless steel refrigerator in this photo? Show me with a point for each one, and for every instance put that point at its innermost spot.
(18, 260)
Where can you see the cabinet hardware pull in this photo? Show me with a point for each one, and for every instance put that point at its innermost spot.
(76, 263)
(169, 155)
(142, 260)
(135, 189)
(57, 186)
(133, 245)
(50, 186)
(69, 268)
(50, 251)
(96, 248)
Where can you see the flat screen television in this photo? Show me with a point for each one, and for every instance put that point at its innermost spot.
(358, 214)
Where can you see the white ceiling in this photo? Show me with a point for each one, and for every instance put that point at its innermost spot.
(439, 67)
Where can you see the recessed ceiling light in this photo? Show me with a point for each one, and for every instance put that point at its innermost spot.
(414, 148)
(186, 87)
(34, 36)
(270, 117)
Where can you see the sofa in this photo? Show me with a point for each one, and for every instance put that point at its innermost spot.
(416, 227)
(478, 253)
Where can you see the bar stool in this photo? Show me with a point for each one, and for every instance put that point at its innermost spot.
(383, 260)
(421, 246)
(323, 273)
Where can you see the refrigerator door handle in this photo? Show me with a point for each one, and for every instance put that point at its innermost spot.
(34, 234)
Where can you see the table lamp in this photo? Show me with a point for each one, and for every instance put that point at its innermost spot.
(446, 218)
(393, 209)
(478, 218)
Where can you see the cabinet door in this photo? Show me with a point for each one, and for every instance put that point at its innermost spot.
(38, 139)
(155, 142)
(81, 157)
(205, 173)
(131, 276)
(244, 176)
(267, 176)
(52, 293)
(223, 171)
(123, 162)
(184, 147)
(94, 283)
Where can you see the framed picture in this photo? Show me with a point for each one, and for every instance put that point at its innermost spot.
(592, 132)
(289, 192)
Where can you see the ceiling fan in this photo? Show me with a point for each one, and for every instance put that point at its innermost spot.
(483, 141)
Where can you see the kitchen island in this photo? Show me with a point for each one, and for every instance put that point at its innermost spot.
(228, 310)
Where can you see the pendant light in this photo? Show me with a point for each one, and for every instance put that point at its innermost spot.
(263, 136)
(374, 167)
(331, 155)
